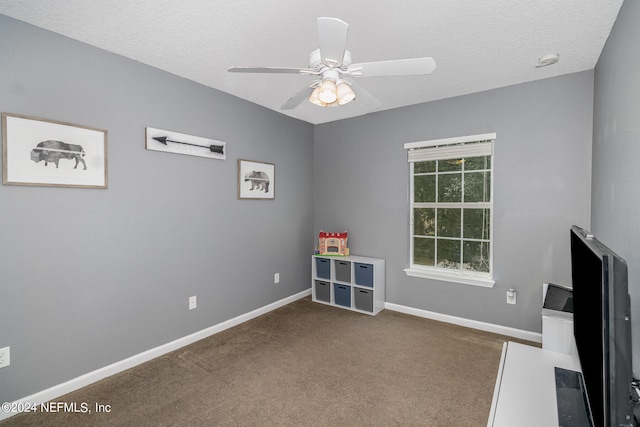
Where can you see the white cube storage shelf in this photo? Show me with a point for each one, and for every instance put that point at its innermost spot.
(354, 283)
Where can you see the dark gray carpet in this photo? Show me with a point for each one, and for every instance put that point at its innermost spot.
(305, 364)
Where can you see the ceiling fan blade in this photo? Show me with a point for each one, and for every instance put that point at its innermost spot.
(400, 67)
(297, 99)
(364, 98)
(242, 69)
(332, 35)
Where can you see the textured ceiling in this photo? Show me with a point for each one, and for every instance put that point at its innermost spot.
(477, 44)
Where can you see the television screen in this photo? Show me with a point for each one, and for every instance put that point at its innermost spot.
(602, 328)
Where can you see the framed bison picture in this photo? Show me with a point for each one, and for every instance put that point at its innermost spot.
(256, 180)
(53, 154)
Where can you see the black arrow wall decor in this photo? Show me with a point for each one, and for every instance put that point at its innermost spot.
(162, 140)
(213, 148)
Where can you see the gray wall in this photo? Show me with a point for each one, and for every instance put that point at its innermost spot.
(90, 277)
(616, 152)
(541, 187)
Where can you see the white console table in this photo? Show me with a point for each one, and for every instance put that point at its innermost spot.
(525, 391)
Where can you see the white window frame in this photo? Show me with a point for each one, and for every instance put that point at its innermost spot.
(419, 151)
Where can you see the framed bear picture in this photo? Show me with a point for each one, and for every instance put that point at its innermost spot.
(256, 180)
(52, 154)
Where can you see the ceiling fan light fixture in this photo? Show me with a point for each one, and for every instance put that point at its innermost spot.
(327, 92)
(314, 99)
(345, 93)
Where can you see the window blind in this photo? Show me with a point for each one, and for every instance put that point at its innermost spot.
(451, 148)
(450, 152)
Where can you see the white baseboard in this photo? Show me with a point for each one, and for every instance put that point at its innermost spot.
(488, 327)
(107, 371)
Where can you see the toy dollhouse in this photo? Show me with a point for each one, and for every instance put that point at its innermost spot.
(333, 243)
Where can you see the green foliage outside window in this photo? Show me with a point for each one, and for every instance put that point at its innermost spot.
(451, 213)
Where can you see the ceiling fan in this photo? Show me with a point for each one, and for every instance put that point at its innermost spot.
(331, 64)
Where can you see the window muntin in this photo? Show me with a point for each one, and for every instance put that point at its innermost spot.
(451, 208)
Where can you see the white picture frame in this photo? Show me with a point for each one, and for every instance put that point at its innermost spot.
(256, 180)
(41, 152)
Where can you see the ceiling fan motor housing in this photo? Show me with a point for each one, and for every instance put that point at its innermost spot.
(317, 64)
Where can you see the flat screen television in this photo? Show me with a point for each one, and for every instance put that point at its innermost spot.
(602, 328)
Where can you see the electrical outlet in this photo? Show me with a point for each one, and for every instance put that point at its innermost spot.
(193, 303)
(276, 278)
(511, 296)
(4, 357)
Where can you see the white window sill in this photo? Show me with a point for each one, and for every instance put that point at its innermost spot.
(466, 279)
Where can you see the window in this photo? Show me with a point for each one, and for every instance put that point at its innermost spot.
(451, 209)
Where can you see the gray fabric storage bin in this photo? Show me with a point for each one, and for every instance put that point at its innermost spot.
(343, 270)
(363, 299)
(323, 291)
